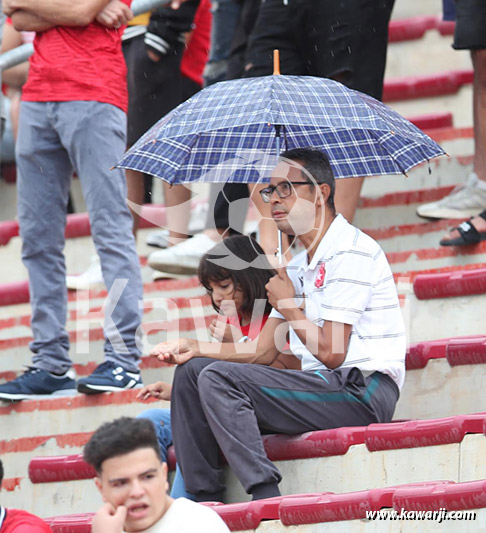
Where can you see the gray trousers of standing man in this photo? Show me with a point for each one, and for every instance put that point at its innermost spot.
(54, 139)
(227, 406)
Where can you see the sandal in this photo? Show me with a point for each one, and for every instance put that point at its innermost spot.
(468, 235)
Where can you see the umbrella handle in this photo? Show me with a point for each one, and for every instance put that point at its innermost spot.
(276, 62)
(277, 146)
(279, 249)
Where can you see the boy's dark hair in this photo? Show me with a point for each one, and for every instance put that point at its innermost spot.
(123, 435)
(317, 165)
(245, 264)
(1, 473)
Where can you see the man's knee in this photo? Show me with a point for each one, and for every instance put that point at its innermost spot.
(217, 376)
(189, 372)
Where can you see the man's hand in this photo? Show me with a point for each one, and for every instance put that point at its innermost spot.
(114, 14)
(224, 332)
(109, 520)
(175, 352)
(280, 287)
(153, 56)
(176, 4)
(158, 390)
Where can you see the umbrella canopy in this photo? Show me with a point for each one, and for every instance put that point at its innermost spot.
(226, 132)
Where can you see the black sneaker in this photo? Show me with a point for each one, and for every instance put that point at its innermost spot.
(36, 381)
(109, 377)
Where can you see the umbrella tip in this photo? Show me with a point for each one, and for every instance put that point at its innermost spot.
(276, 62)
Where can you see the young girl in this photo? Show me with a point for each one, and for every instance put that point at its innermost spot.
(234, 273)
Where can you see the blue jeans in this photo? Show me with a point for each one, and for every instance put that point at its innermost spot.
(161, 420)
(448, 10)
(226, 14)
(89, 137)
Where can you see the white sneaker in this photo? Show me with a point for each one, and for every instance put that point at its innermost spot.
(182, 258)
(197, 222)
(159, 239)
(463, 202)
(92, 278)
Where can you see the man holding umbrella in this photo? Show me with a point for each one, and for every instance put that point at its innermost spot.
(336, 303)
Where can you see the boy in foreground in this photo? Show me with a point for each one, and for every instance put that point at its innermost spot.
(133, 482)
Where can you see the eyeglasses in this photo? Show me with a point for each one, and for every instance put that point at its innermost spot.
(283, 189)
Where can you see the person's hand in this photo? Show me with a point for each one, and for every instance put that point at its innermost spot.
(222, 331)
(279, 287)
(109, 520)
(176, 4)
(114, 14)
(175, 352)
(158, 390)
(153, 56)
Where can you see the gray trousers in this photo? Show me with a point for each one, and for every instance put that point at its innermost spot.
(54, 139)
(227, 406)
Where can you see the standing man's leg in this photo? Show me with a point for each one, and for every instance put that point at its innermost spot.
(154, 89)
(478, 196)
(367, 76)
(469, 199)
(225, 17)
(44, 172)
(95, 136)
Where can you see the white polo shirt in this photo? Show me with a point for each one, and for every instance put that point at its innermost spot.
(350, 281)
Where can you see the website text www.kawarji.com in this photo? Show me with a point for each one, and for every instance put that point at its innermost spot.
(442, 515)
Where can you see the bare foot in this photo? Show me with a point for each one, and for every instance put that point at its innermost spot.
(478, 222)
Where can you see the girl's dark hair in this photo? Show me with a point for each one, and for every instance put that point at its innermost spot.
(241, 259)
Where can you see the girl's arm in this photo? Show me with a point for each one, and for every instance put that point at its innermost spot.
(264, 350)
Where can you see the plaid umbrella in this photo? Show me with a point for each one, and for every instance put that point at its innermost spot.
(226, 132)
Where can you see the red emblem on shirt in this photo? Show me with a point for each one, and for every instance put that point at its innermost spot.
(320, 276)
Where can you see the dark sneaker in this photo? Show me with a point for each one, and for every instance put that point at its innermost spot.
(35, 382)
(109, 377)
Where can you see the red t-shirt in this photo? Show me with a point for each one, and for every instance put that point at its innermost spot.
(17, 521)
(251, 330)
(78, 63)
(196, 54)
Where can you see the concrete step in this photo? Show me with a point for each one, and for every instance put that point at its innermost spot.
(63, 415)
(406, 57)
(347, 512)
(322, 511)
(328, 460)
(168, 314)
(436, 258)
(457, 350)
(172, 309)
(414, 28)
(404, 9)
(426, 86)
(445, 285)
(424, 321)
(440, 390)
(458, 103)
